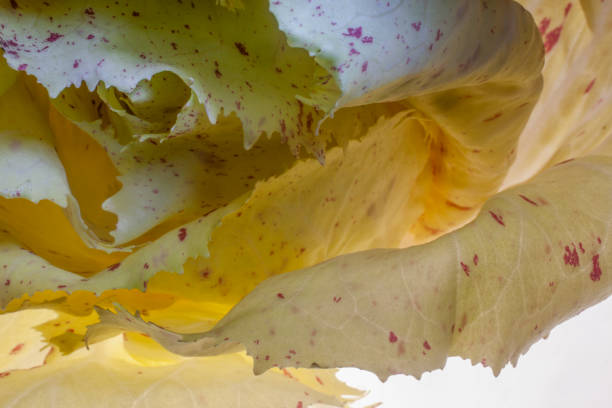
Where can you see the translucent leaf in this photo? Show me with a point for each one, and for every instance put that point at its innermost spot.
(187, 177)
(7, 75)
(24, 348)
(234, 61)
(36, 202)
(84, 160)
(26, 273)
(117, 372)
(486, 292)
(29, 166)
(572, 117)
(472, 67)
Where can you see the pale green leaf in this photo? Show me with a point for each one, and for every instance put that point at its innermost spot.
(572, 117)
(26, 273)
(486, 292)
(7, 75)
(29, 166)
(134, 372)
(473, 67)
(234, 61)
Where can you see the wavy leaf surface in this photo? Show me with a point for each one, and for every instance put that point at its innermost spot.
(134, 372)
(486, 292)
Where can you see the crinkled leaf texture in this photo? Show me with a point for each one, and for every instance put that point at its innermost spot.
(486, 292)
(425, 176)
(428, 102)
(136, 372)
(572, 117)
(232, 60)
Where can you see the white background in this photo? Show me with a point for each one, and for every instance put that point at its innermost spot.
(572, 368)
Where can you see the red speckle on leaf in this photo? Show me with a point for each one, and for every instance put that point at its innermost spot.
(528, 200)
(22, 67)
(426, 345)
(364, 66)
(146, 265)
(7, 282)
(552, 38)
(571, 256)
(319, 380)
(337, 299)
(135, 14)
(416, 26)
(568, 8)
(589, 86)
(489, 119)
(581, 247)
(596, 272)
(91, 37)
(17, 348)
(53, 37)
(299, 405)
(353, 32)
(241, 48)
(392, 337)
(564, 161)
(544, 25)
(484, 362)
(14, 5)
(457, 206)
(75, 64)
(61, 286)
(498, 218)
(89, 11)
(439, 35)
(466, 269)
(5, 374)
(182, 234)
(367, 39)
(598, 240)
(475, 259)
(280, 295)
(218, 73)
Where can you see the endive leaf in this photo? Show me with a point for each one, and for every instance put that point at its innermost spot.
(572, 117)
(36, 202)
(7, 75)
(126, 380)
(234, 61)
(25, 273)
(473, 67)
(486, 292)
(24, 348)
(167, 185)
(29, 166)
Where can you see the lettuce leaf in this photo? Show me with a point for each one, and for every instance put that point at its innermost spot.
(486, 292)
(134, 371)
(572, 117)
(234, 61)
